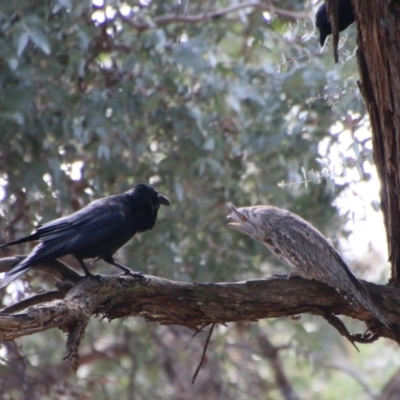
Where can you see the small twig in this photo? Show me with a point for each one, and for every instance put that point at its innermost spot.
(204, 353)
(62, 286)
(199, 330)
(187, 9)
(197, 18)
(38, 299)
(328, 174)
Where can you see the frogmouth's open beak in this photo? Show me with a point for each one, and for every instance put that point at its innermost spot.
(233, 219)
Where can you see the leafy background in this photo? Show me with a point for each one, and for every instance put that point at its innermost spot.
(95, 97)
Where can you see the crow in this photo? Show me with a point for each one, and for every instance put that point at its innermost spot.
(300, 246)
(345, 19)
(96, 231)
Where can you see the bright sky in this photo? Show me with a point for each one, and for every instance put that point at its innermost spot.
(367, 243)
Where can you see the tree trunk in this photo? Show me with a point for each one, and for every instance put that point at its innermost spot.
(378, 24)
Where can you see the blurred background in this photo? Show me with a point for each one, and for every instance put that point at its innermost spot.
(243, 106)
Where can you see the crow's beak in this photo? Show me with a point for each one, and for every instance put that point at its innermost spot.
(164, 200)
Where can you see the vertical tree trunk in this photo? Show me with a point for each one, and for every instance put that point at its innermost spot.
(378, 24)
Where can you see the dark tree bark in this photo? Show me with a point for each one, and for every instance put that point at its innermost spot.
(378, 55)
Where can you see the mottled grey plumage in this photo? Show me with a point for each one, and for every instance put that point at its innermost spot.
(299, 245)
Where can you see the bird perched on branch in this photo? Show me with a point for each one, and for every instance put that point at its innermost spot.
(345, 19)
(300, 246)
(96, 231)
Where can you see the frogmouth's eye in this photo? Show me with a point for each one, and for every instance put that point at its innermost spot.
(243, 217)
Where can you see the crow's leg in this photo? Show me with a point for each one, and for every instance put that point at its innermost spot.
(87, 272)
(127, 271)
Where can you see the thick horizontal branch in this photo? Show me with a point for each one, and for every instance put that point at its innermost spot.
(194, 304)
(193, 19)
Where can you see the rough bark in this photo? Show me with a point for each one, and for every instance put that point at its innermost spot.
(194, 305)
(378, 24)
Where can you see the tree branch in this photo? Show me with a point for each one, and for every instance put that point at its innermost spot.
(38, 299)
(193, 19)
(193, 304)
(271, 353)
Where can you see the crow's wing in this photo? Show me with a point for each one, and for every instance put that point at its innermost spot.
(69, 235)
(82, 229)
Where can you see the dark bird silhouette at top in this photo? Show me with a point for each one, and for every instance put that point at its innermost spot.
(345, 19)
(96, 231)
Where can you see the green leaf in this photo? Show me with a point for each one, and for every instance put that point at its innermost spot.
(13, 63)
(23, 41)
(209, 145)
(376, 205)
(40, 40)
(103, 151)
(179, 192)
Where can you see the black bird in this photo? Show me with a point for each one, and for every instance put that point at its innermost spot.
(345, 19)
(96, 231)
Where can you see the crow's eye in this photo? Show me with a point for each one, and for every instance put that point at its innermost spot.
(243, 217)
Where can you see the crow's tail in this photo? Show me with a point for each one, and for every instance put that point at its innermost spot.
(26, 264)
(17, 271)
(21, 267)
(30, 238)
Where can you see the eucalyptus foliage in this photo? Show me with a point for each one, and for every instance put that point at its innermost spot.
(95, 97)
